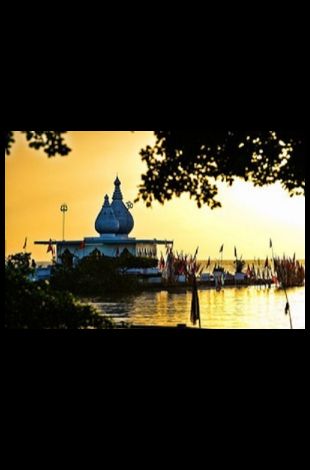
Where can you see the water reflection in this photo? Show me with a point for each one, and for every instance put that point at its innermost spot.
(233, 307)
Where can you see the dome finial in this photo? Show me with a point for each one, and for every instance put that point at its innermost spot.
(117, 192)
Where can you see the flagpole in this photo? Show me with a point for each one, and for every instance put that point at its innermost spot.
(272, 254)
(288, 304)
(289, 308)
(63, 209)
(284, 288)
(197, 300)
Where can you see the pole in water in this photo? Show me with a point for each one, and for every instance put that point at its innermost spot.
(287, 306)
(288, 309)
(63, 209)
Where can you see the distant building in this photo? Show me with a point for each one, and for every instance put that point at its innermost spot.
(113, 223)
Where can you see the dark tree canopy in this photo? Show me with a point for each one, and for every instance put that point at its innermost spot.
(192, 161)
(36, 304)
(52, 142)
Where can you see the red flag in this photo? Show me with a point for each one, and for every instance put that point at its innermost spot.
(162, 262)
(275, 279)
(82, 245)
(50, 247)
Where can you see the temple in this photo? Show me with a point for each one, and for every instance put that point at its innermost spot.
(113, 224)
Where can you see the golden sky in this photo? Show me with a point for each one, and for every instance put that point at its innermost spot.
(36, 186)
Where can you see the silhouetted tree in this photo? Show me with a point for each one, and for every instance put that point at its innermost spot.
(52, 142)
(192, 161)
(30, 304)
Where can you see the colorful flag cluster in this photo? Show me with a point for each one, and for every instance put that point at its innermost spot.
(177, 264)
(289, 272)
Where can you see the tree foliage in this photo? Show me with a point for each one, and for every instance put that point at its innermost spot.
(193, 161)
(51, 142)
(30, 304)
(99, 275)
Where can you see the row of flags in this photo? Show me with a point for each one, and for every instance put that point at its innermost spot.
(235, 249)
(179, 264)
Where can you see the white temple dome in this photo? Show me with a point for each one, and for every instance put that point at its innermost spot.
(106, 222)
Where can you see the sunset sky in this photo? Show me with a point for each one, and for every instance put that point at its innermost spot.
(36, 186)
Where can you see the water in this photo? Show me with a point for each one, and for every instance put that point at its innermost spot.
(244, 308)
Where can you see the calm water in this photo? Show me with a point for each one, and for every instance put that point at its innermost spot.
(245, 307)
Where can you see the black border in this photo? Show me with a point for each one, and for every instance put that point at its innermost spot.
(235, 100)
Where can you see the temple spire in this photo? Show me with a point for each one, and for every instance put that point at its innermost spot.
(117, 195)
(121, 212)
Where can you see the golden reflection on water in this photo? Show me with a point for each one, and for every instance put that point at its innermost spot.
(251, 308)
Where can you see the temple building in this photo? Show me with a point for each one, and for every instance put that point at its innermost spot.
(113, 224)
